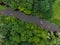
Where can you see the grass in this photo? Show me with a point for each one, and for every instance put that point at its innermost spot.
(56, 9)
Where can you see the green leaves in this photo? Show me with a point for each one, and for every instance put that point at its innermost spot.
(2, 7)
(42, 8)
(17, 31)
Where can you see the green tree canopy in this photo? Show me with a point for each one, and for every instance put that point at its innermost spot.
(42, 8)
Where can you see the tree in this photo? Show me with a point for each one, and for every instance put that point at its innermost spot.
(42, 8)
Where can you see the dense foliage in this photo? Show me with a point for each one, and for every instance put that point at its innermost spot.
(2, 7)
(17, 32)
(42, 8)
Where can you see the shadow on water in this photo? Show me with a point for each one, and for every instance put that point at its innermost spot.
(1, 3)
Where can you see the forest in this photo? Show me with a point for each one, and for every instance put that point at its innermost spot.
(17, 32)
